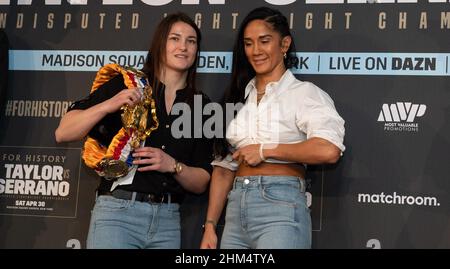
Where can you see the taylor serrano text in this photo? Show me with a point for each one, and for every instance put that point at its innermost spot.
(226, 258)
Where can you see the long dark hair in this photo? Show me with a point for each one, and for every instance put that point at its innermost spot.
(156, 54)
(242, 71)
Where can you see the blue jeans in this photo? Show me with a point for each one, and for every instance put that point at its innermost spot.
(128, 224)
(267, 212)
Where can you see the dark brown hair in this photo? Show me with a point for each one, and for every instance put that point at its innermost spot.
(156, 56)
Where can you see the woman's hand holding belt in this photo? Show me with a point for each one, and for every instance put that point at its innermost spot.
(153, 159)
(128, 97)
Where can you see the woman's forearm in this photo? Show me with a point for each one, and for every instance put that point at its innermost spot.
(193, 179)
(312, 151)
(76, 124)
(221, 184)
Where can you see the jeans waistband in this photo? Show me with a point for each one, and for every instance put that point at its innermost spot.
(256, 181)
(142, 197)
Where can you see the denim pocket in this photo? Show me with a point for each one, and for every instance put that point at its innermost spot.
(230, 193)
(283, 194)
(174, 210)
(109, 203)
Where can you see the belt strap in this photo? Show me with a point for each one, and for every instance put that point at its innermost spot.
(141, 197)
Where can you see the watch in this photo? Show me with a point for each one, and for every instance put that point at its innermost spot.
(177, 167)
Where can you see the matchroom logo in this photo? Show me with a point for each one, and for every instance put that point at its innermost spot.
(401, 116)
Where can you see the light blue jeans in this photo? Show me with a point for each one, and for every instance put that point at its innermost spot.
(267, 212)
(128, 224)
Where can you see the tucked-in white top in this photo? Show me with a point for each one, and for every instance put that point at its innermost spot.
(291, 111)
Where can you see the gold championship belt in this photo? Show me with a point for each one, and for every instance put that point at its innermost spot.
(115, 160)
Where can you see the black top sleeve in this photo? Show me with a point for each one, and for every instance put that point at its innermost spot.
(203, 150)
(202, 155)
(106, 128)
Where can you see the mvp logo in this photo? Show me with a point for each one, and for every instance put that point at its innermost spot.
(401, 112)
